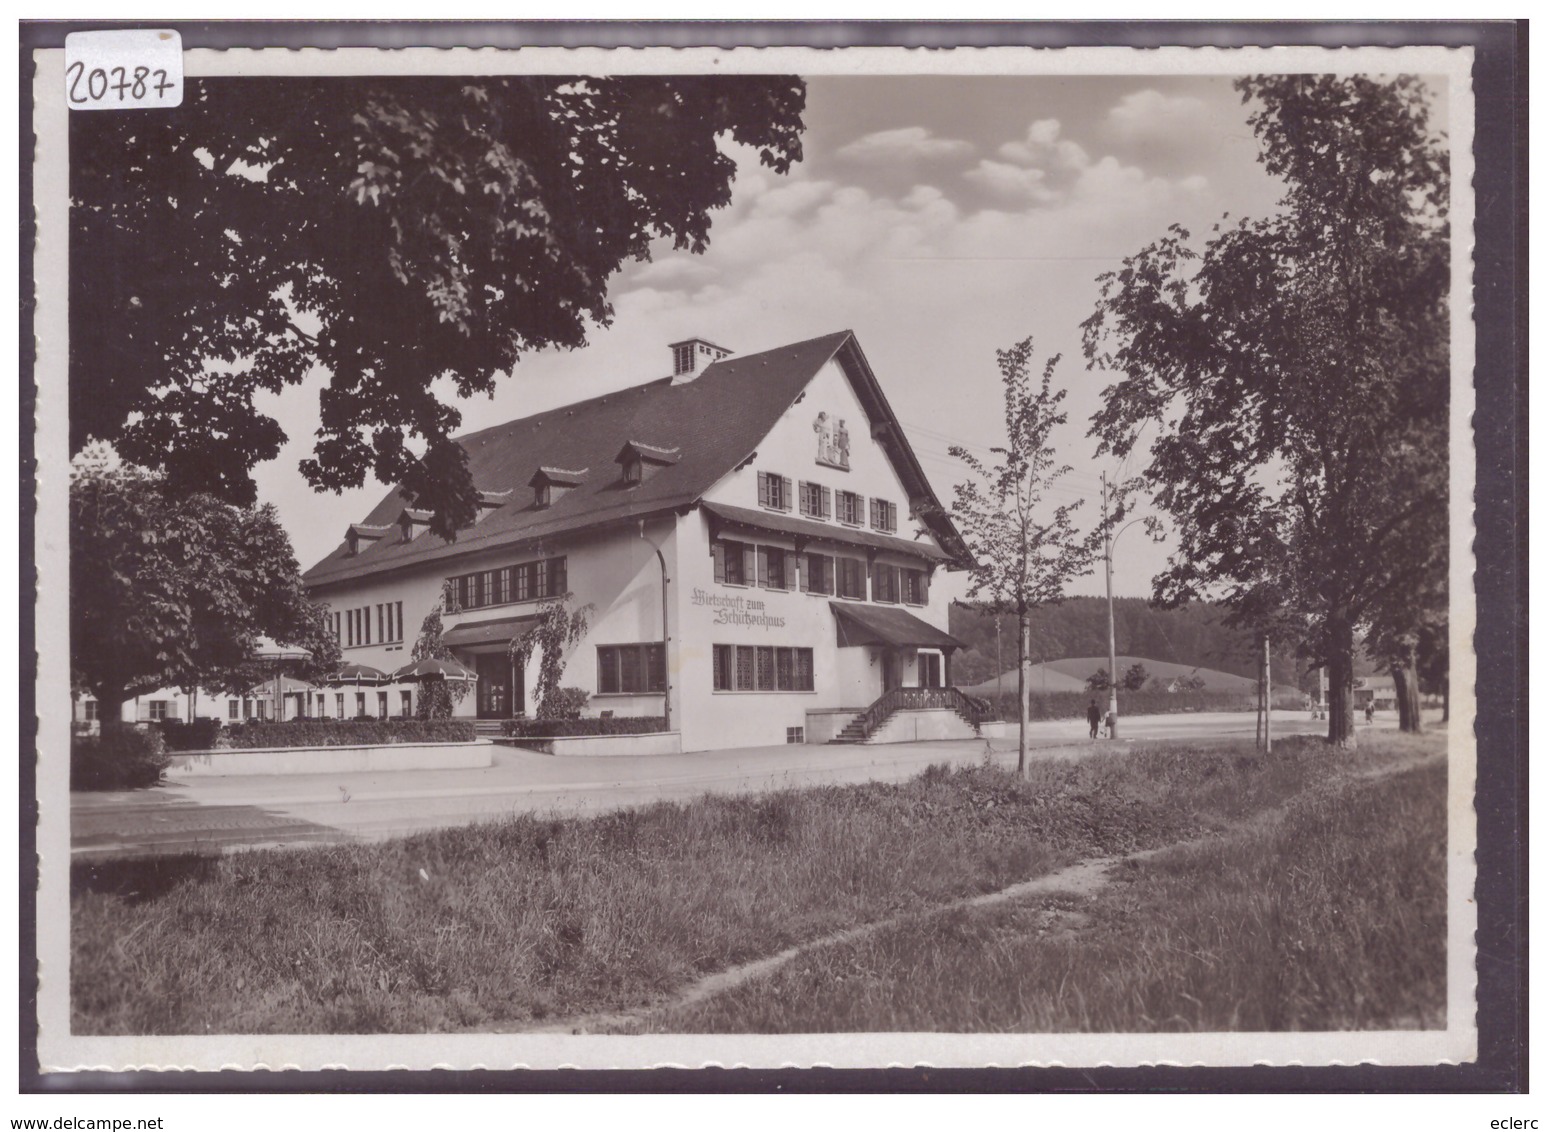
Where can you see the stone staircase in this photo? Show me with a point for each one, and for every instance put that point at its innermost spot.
(906, 714)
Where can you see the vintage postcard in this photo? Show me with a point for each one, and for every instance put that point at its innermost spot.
(754, 557)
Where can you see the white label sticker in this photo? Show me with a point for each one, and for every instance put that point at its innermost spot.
(123, 70)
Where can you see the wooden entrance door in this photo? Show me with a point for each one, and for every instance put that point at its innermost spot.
(499, 691)
(891, 670)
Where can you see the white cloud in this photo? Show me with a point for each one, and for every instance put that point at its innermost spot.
(1042, 147)
(910, 143)
(1011, 182)
(1147, 113)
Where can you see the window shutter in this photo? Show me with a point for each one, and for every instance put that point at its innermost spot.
(718, 552)
(784, 494)
(924, 586)
(763, 566)
(875, 518)
(793, 572)
(749, 563)
(763, 489)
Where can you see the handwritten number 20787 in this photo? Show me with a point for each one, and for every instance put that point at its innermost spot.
(117, 79)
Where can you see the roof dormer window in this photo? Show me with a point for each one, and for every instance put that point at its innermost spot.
(412, 522)
(359, 533)
(549, 485)
(641, 461)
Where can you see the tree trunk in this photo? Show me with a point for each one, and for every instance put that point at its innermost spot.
(1023, 687)
(1401, 678)
(1405, 682)
(110, 711)
(1340, 649)
(1446, 700)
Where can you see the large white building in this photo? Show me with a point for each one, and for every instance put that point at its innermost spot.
(753, 534)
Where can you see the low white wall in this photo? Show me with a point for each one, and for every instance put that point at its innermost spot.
(823, 724)
(331, 760)
(655, 743)
(929, 723)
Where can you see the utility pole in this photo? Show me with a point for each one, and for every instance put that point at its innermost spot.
(1112, 633)
(1268, 698)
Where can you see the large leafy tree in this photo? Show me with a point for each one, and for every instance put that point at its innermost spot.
(1295, 368)
(175, 591)
(1024, 549)
(388, 231)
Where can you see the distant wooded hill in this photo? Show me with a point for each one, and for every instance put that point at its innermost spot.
(1194, 636)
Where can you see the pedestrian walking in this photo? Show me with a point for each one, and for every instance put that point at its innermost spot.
(1094, 717)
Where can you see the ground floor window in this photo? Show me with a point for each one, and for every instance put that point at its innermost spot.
(91, 711)
(233, 710)
(795, 734)
(158, 710)
(631, 668)
(762, 668)
(359, 704)
(408, 703)
(381, 705)
(339, 697)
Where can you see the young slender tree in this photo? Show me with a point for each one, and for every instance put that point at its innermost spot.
(1296, 370)
(1025, 549)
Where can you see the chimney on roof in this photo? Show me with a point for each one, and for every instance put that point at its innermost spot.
(691, 355)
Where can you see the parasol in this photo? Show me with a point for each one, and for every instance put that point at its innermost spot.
(433, 669)
(360, 675)
(276, 655)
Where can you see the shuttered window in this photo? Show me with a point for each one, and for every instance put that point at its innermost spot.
(736, 563)
(916, 587)
(819, 574)
(884, 583)
(884, 515)
(851, 508)
(851, 578)
(774, 491)
(816, 501)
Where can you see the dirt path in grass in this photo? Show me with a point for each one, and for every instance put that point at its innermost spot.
(1082, 879)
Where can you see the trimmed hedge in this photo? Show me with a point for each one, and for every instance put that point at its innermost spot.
(346, 733)
(200, 735)
(1072, 705)
(128, 759)
(557, 728)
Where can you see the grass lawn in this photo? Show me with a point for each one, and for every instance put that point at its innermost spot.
(1333, 918)
(531, 919)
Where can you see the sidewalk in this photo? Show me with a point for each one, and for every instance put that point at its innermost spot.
(215, 814)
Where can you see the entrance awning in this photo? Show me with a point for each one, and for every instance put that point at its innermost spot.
(887, 625)
(488, 632)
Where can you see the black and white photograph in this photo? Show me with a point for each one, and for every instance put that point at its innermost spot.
(755, 557)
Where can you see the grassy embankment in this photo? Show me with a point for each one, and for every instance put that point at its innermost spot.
(531, 919)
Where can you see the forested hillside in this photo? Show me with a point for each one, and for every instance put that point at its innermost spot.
(1194, 635)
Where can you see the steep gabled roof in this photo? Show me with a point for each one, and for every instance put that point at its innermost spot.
(714, 423)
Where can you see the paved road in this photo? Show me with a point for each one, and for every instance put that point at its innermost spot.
(214, 814)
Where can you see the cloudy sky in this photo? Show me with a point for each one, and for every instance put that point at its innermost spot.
(939, 218)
